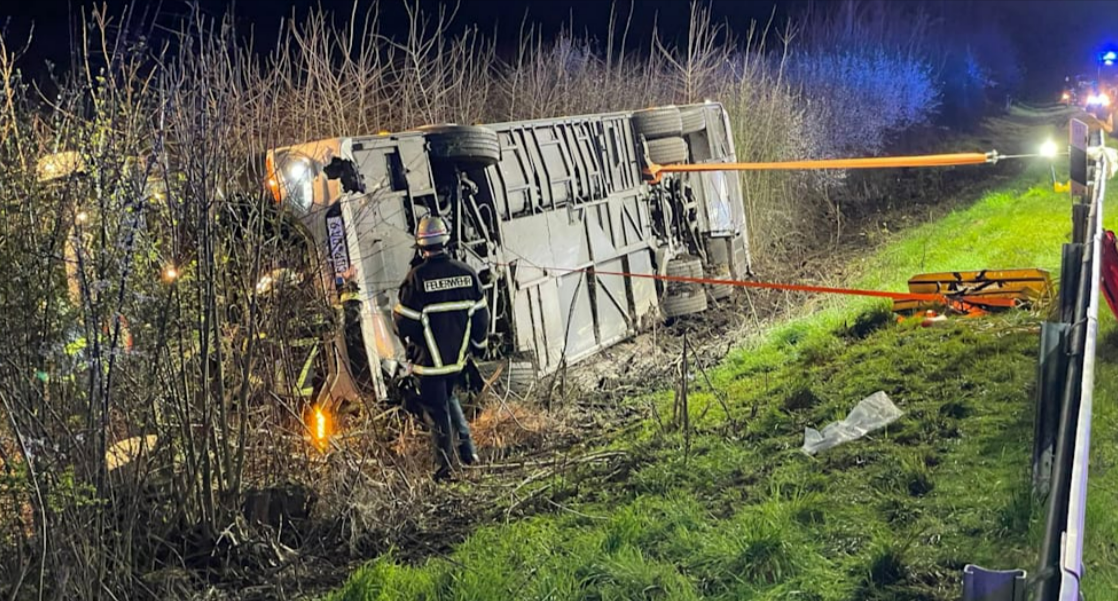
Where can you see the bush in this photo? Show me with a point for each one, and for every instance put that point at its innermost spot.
(863, 98)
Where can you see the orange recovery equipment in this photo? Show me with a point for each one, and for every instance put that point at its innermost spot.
(987, 287)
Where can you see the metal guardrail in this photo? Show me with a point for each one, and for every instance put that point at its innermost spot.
(1066, 376)
(1073, 518)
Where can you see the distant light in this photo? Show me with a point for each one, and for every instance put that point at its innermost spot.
(81, 217)
(1049, 149)
(1109, 62)
(170, 274)
(265, 284)
(1099, 100)
(1110, 56)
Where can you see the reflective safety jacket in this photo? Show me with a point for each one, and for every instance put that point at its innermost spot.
(441, 315)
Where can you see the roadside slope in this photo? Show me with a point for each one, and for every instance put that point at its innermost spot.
(731, 509)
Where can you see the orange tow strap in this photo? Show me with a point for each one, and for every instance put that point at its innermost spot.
(965, 304)
(928, 160)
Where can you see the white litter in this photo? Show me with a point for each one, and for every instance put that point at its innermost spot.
(871, 413)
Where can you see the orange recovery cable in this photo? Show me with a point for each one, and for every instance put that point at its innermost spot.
(927, 160)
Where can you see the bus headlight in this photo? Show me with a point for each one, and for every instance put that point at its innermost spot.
(291, 180)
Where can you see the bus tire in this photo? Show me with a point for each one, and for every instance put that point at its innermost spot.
(657, 123)
(692, 120)
(685, 303)
(468, 146)
(684, 298)
(667, 151)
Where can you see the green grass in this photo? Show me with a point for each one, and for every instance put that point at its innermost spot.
(743, 514)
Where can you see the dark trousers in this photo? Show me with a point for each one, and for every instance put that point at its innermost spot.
(436, 393)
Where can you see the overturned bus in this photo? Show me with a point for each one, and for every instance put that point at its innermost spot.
(548, 211)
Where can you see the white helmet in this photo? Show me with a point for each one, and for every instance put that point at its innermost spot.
(431, 231)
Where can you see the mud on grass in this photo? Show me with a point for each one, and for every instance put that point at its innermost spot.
(734, 510)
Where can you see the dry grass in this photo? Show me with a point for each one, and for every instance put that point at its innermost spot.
(502, 426)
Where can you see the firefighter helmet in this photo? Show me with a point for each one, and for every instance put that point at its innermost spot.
(432, 231)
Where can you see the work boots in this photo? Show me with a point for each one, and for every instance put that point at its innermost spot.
(466, 453)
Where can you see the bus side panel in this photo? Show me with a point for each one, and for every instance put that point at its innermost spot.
(544, 247)
(592, 213)
(381, 248)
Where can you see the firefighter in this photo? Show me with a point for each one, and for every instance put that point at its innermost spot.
(442, 318)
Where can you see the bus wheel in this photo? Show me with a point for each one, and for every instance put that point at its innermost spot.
(468, 146)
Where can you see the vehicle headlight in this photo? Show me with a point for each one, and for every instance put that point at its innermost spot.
(1098, 100)
(291, 180)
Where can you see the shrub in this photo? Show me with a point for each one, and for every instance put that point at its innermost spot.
(864, 98)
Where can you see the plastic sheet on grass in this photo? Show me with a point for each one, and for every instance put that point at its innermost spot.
(871, 413)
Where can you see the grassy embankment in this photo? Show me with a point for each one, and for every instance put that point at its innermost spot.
(745, 515)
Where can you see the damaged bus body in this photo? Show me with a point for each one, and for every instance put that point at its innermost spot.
(539, 208)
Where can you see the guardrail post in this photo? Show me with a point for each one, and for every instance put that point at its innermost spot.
(1071, 261)
(1077, 159)
(980, 584)
(1051, 368)
(1080, 215)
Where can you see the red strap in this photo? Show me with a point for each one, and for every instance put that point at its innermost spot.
(955, 301)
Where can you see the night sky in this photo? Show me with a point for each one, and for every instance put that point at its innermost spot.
(1052, 37)
(503, 17)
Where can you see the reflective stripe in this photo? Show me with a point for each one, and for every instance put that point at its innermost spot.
(301, 384)
(407, 312)
(437, 371)
(465, 340)
(478, 345)
(446, 307)
(432, 346)
(429, 336)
